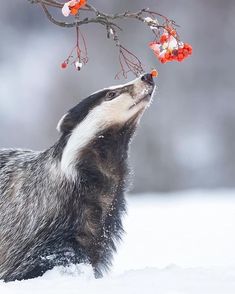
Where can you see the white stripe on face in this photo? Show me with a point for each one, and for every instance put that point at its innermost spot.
(108, 113)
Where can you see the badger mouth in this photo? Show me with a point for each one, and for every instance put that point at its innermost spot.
(146, 98)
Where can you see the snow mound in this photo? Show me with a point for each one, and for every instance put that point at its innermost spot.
(171, 280)
(194, 230)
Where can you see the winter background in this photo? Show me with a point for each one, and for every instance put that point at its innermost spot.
(181, 207)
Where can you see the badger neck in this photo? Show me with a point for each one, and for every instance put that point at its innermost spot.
(104, 150)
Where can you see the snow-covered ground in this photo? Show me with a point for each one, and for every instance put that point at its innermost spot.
(175, 244)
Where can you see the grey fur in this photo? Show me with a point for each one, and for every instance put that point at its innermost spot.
(47, 219)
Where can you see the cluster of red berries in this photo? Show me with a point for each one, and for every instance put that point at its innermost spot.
(177, 54)
(169, 48)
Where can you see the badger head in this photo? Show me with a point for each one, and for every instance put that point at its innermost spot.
(119, 106)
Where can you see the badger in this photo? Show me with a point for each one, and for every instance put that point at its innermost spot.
(65, 205)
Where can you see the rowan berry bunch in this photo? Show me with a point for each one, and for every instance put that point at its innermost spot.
(169, 48)
(167, 45)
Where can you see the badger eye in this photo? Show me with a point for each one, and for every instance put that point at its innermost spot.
(110, 95)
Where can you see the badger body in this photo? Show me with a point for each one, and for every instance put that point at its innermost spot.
(64, 205)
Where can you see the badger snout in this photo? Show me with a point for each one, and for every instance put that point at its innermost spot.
(148, 78)
(116, 105)
(143, 90)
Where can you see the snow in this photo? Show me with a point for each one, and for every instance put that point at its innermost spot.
(175, 243)
(65, 9)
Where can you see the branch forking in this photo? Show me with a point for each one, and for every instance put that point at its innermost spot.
(128, 61)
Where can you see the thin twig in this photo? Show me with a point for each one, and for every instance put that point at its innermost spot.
(128, 61)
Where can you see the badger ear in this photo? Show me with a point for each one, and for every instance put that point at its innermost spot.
(65, 124)
(60, 123)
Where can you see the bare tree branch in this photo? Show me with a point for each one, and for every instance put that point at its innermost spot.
(128, 61)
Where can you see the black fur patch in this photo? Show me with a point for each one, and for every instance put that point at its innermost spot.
(80, 111)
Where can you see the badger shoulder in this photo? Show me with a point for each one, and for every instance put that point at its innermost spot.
(15, 165)
(15, 155)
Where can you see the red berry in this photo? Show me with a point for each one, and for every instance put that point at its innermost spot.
(185, 52)
(154, 73)
(180, 57)
(64, 65)
(188, 47)
(167, 55)
(173, 33)
(180, 50)
(163, 38)
(163, 60)
(190, 50)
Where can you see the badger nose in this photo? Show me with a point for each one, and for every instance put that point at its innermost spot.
(147, 78)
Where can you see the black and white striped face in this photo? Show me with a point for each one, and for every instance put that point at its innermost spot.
(112, 106)
(116, 106)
